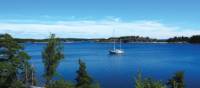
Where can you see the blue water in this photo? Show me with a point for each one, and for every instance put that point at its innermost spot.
(159, 61)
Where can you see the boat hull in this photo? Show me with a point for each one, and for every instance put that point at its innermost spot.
(117, 51)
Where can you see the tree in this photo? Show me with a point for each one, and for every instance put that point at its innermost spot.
(52, 54)
(12, 61)
(195, 39)
(138, 81)
(17, 84)
(29, 75)
(7, 75)
(178, 39)
(60, 84)
(83, 79)
(147, 83)
(177, 81)
(151, 83)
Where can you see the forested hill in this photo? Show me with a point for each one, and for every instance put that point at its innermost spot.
(123, 39)
(128, 39)
(193, 39)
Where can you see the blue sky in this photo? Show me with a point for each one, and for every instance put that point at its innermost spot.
(100, 17)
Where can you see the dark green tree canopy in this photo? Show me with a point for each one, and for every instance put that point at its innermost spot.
(60, 84)
(83, 79)
(13, 60)
(177, 81)
(147, 82)
(195, 39)
(52, 54)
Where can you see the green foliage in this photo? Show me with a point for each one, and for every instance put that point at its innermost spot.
(60, 84)
(139, 81)
(177, 81)
(151, 83)
(7, 74)
(95, 85)
(12, 61)
(28, 76)
(178, 39)
(83, 79)
(195, 39)
(9, 45)
(147, 83)
(52, 54)
(126, 39)
(17, 84)
(32, 75)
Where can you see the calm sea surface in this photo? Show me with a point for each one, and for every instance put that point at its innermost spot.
(159, 61)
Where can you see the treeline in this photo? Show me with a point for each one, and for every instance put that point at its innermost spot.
(17, 72)
(46, 40)
(179, 39)
(123, 39)
(193, 39)
(128, 39)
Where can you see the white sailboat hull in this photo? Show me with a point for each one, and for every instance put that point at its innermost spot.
(116, 51)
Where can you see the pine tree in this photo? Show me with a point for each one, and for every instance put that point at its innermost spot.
(177, 81)
(12, 61)
(139, 81)
(60, 84)
(83, 79)
(52, 54)
(147, 82)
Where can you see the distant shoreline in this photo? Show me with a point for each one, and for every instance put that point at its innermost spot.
(117, 42)
(195, 39)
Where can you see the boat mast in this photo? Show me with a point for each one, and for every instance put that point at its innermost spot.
(114, 39)
(120, 46)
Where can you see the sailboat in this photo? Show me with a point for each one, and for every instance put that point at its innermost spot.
(115, 50)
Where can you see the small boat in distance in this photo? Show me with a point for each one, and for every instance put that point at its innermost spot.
(114, 50)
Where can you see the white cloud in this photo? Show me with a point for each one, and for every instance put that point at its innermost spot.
(95, 29)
